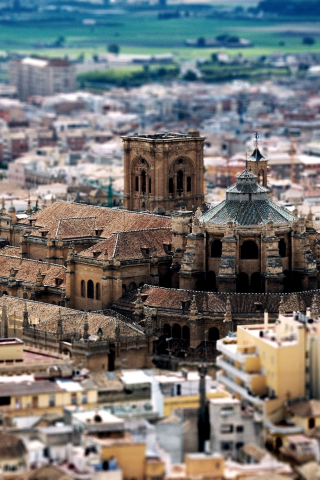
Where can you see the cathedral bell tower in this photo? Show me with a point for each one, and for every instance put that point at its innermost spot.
(163, 172)
(258, 164)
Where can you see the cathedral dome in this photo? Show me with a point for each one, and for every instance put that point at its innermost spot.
(247, 203)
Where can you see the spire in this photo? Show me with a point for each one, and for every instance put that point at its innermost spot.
(25, 322)
(59, 326)
(29, 209)
(282, 309)
(4, 320)
(228, 314)
(315, 308)
(86, 327)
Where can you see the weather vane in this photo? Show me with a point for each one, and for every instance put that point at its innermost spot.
(257, 136)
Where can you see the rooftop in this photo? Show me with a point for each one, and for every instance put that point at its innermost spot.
(166, 136)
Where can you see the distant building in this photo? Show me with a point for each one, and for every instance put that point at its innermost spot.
(41, 76)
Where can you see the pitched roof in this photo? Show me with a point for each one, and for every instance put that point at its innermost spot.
(46, 316)
(306, 408)
(170, 298)
(131, 245)
(11, 446)
(9, 250)
(109, 220)
(27, 270)
(69, 228)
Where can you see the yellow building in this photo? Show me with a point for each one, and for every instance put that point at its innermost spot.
(265, 365)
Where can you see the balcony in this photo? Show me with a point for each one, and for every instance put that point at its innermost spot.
(235, 388)
(232, 352)
(233, 370)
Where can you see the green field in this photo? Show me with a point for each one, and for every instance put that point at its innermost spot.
(145, 33)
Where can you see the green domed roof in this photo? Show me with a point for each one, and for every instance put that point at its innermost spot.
(247, 203)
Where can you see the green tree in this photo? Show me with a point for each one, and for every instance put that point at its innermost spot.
(60, 41)
(201, 42)
(190, 76)
(113, 48)
(308, 41)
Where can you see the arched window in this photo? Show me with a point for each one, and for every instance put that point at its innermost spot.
(143, 182)
(282, 248)
(249, 250)
(170, 185)
(137, 184)
(124, 289)
(243, 283)
(90, 289)
(167, 330)
(256, 282)
(180, 182)
(83, 288)
(213, 334)
(188, 184)
(186, 333)
(97, 291)
(176, 331)
(149, 185)
(216, 249)
(132, 286)
(261, 176)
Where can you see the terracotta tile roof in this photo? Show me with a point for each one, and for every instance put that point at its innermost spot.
(134, 244)
(109, 220)
(69, 228)
(46, 316)
(9, 250)
(11, 446)
(170, 298)
(27, 270)
(306, 408)
(74, 322)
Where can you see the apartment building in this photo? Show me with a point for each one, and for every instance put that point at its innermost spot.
(35, 76)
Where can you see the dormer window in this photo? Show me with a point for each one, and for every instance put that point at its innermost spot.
(167, 247)
(96, 253)
(99, 232)
(58, 281)
(145, 250)
(44, 234)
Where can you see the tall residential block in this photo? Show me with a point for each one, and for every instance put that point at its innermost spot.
(41, 76)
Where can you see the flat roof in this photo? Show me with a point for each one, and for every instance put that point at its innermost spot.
(166, 136)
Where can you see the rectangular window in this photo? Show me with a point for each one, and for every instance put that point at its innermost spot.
(226, 446)
(240, 429)
(52, 401)
(73, 399)
(226, 429)
(226, 411)
(84, 398)
(35, 402)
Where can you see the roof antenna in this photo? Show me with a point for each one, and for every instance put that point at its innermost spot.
(257, 136)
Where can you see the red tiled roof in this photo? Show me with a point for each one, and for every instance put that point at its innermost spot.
(170, 298)
(129, 245)
(69, 228)
(27, 270)
(109, 220)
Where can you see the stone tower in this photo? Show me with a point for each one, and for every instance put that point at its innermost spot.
(163, 172)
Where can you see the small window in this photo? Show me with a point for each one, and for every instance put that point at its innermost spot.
(98, 291)
(137, 184)
(90, 289)
(240, 429)
(178, 389)
(149, 185)
(73, 399)
(226, 411)
(52, 401)
(226, 429)
(84, 398)
(35, 402)
(83, 288)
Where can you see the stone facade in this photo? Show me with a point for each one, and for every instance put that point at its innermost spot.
(163, 171)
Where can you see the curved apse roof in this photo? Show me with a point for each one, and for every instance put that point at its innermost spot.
(247, 203)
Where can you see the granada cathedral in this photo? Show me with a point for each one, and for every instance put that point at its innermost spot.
(167, 264)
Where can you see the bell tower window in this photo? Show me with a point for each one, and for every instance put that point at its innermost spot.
(180, 182)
